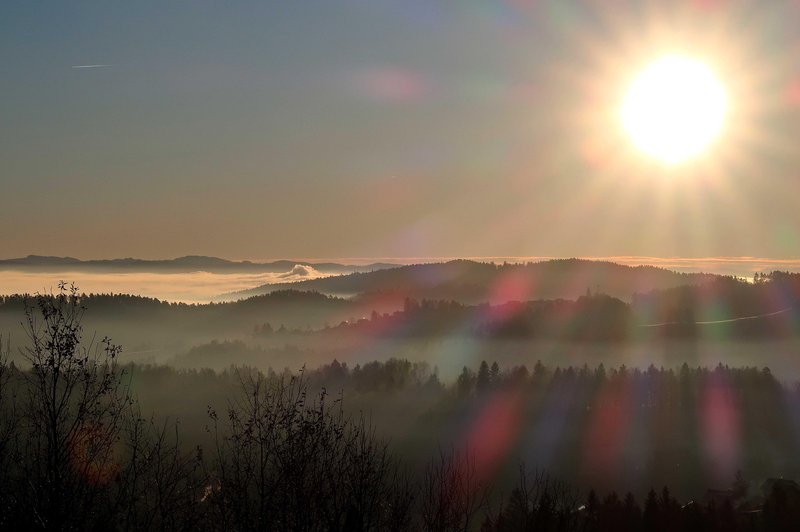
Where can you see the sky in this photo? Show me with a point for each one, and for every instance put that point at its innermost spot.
(376, 128)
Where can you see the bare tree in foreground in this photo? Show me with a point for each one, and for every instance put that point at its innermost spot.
(162, 483)
(71, 410)
(8, 433)
(284, 462)
(452, 494)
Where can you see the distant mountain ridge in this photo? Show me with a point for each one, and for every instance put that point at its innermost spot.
(189, 263)
(468, 281)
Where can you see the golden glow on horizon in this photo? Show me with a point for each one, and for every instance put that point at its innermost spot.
(674, 109)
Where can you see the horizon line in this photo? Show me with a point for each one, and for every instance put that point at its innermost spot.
(365, 260)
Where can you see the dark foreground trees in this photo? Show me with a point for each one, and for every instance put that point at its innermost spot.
(286, 462)
(540, 503)
(453, 496)
(65, 419)
(76, 453)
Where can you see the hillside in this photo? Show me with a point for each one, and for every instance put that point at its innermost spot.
(475, 282)
(154, 328)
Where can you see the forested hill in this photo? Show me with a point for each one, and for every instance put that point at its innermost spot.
(721, 308)
(285, 303)
(141, 323)
(717, 299)
(476, 282)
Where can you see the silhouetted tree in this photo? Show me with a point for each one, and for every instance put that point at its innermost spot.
(482, 381)
(465, 382)
(452, 495)
(70, 420)
(633, 514)
(782, 507)
(651, 516)
(8, 434)
(162, 484)
(538, 502)
(284, 463)
(740, 486)
(494, 373)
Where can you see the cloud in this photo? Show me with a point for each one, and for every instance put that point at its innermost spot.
(301, 271)
(91, 66)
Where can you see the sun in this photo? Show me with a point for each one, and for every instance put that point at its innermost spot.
(674, 109)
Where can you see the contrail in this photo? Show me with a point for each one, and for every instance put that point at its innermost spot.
(91, 66)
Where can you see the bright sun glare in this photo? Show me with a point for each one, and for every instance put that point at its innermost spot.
(674, 109)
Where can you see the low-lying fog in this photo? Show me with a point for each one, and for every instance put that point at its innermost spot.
(449, 355)
(195, 287)
(203, 287)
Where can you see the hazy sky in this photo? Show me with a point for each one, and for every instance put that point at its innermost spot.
(372, 128)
